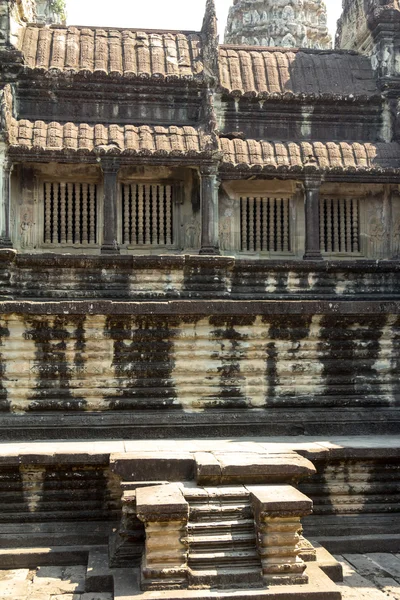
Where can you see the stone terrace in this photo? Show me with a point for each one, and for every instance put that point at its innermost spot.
(366, 577)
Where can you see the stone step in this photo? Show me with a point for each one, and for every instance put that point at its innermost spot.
(34, 535)
(355, 544)
(230, 540)
(221, 527)
(99, 577)
(320, 587)
(216, 512)
(222, 493)
(30, 558)
(225, 577)
(228, 558)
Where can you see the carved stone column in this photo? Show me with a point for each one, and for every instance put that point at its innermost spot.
(312, 187)
(110, 208)
(165, 513)
(5, 193)
(277, 513)
(209, 210)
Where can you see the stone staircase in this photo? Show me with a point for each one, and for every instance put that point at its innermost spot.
(221, 538)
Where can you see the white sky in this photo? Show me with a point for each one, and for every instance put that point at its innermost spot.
(159, 14)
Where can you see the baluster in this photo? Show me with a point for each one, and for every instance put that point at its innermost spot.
(48, 216)
(78, 214)
(126, 196)
(329, 225)
(168, 195)
(243, 205)
(265, 242)
(322, 217)
(56, 189)
(85, 202)
(279, 225)
(63, 211)
(92, 214)
(251, 225)
(70, 225)
(342, 226)
(336, 223)
(141, 213)
(134, 209)
(355, 222)
(272, 224)
(154, 200)
(162, 215)
(286, 241)
(258, 224)
(349, 226)
(147, 205)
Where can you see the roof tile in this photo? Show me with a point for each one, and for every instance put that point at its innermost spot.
(115, 52)
(252, 71)
(343, 156)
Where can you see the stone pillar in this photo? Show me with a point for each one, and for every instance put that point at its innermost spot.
(165, 513)
(277, 513)
(312, 187)
(209, 210)
(5, 193)
(110, 208)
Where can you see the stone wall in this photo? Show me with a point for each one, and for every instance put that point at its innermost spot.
(287, 23)
(15, 14)
(120, 362)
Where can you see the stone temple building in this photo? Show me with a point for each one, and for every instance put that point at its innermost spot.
(200, 298)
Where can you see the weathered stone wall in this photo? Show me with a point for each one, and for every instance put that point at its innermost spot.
(371, 27)
(123, 362)
(15, 14)
(285, 23)
(356, 496)
(127, 278)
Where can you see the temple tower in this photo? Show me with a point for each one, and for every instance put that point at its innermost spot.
(49, 11)
(287, 23)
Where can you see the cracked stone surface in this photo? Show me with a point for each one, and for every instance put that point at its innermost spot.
(47, 583)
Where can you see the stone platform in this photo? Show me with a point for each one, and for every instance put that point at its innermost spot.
(366, 577)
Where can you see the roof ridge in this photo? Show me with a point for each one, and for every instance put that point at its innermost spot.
(108, 28)
(288, 50)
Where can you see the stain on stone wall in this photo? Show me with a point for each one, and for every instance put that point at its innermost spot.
(349, 351)
(143, 363)
(153, 362)
(59, 346)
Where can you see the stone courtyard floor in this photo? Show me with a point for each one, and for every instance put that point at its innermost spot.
(367, 577)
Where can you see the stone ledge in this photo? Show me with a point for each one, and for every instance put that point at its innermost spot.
(153, 466)
(161, 503)
(201, 307)
(279, 501)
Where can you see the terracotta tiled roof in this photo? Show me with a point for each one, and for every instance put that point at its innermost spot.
(39, 136)
(118, 52)
(327, 156)
(256, 71)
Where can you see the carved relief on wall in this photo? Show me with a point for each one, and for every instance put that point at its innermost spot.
(287, 23)
(192, 233)
(396, 237)
(26, 224)
(226, 222)
(376, 229)
(225, 229)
